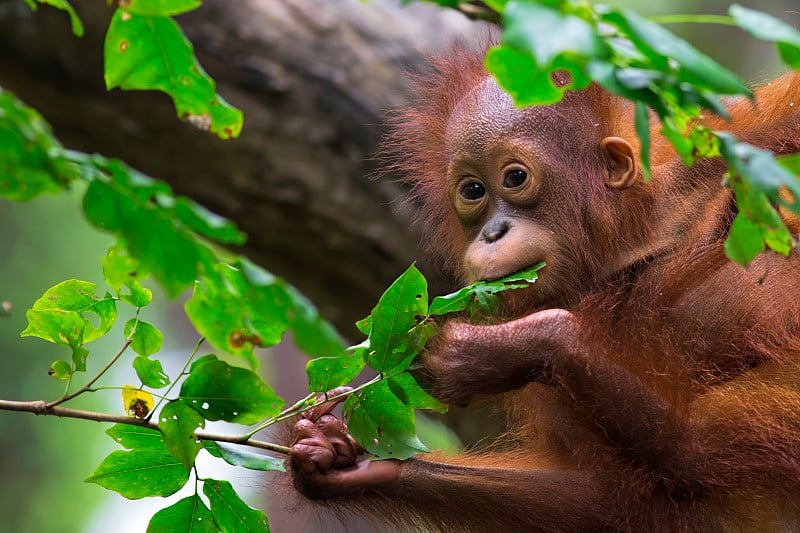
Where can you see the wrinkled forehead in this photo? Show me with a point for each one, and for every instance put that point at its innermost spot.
(487, 113)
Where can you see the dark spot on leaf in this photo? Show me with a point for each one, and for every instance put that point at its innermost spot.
(138, 409)
(418, 296)
(51, 372)
(379, 431)
(132, 274)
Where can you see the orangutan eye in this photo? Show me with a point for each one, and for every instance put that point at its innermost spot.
(472, 191)
(514, 178)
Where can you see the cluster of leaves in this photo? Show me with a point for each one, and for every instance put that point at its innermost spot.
(146, 49)
(235, 306)
(640, 60)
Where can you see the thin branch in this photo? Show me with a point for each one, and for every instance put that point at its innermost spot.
(479, 11)
(40, 407)
(88, 386)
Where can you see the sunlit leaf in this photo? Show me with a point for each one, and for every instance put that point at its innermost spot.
(140, 473)
(60, 370)
(326, 373)
(382, 423)
(189, 515)
(60, 315)
(121, 270)
(397, 311)
(219, 391)
(177, 423)
(143, 52)
(137, 437)
(145, 339)
(150, 372)
(548, 33)
(124, 205)
(230, 513)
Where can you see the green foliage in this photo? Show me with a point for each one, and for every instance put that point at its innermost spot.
(147, 469)
(238, 306)
(177, 423)
(381, 412)
(236, 456)
(230, 513)
(219, 391)
(151, 52)
(75, 21)
(642, 61)
(189, 515)
(29, 162)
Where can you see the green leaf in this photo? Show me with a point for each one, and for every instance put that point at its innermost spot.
(768, 28)
(326, 373)
(60, 315)
(60, 370)
(145, 339)
(397, 311)
(761, 171)
(144, 52)
(219, 391)
(79, 355)
(668, 52)
(408, 391)
(140, 473)
(547, 33)
(517, 73)
(189, 515)
(150, 372)
(382, 423)
(468, 297)
(75, 21)
(29, 154)
(207, 223)
(230, 513)
(744, 241)
(161, 8)
(238, 456)
(312, 333)
(177, 423)
(126, 205)
(244, 306)
(121, 270)
(643, 132)
(137, 437)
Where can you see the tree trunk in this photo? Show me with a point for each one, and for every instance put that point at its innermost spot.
(314, 79)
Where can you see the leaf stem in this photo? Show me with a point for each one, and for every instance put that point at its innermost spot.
(301, 406)
(92, 381)
(183, 370)
(690, 19)
(40, 407)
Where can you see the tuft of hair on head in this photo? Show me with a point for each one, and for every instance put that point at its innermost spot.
(414, 152)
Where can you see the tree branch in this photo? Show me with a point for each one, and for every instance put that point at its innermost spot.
(40, 407)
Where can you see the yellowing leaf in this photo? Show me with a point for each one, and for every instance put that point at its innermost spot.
(137, 403)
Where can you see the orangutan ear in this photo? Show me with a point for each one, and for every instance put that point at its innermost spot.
(622, 166)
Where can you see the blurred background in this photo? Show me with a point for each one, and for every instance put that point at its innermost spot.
(314, 79)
